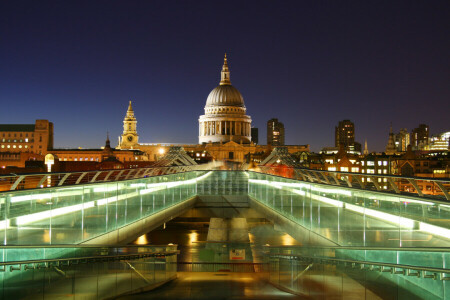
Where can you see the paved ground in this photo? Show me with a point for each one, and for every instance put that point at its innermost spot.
(206, 285)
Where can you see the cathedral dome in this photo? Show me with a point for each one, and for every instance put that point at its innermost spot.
(225, 95)
(225, 119)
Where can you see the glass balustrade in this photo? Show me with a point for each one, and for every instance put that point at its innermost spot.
(361, 273)
(83, 272)
(353, 217)
(345, 216)
(73, 214)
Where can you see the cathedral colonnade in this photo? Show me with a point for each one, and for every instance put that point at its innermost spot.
(224, 127)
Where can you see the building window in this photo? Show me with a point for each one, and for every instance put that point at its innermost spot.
(385, 163)
(331, 168)
(371, 163)
(230, 155)
(344, 169)
(355, 170)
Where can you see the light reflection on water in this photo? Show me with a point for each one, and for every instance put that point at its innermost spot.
(191, 239)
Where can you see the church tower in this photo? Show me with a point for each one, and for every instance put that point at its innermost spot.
(129, 138)
(390, 147)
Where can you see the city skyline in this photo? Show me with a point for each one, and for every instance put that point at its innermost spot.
(78, 66)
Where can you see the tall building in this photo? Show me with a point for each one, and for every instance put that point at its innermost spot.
(345, 134)
(419, 137)
(402, 140)
(129, 138)
(225, 116)
(275, 132)
(35, 138)
(255, 135)
(440, 142)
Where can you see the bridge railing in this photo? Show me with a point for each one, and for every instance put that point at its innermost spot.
(77, 213)
(42, 180)
(353, 217)
(338, 272)
(88, 272)
(437, 188)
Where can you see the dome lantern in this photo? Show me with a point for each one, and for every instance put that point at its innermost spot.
(225, 74)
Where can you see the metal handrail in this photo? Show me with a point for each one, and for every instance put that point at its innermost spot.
(370, 263)
(87, 258)
(359, 180)
(420, 249)
(53, 179)
(81, 246)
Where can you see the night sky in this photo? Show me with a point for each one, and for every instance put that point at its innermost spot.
(308, 63)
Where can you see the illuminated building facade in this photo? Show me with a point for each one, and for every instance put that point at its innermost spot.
(225, 118)
(35, 138)
(129, 138)
(402, 140)
(225, 131)
(440, 142)
(275, 132)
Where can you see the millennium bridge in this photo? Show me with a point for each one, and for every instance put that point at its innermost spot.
(68, 235)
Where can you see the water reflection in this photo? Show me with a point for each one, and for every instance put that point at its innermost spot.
(193, 237)
(142, 240)
(191, 240)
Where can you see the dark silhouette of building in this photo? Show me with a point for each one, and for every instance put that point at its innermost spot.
(275, 133)
(345, 137)
(344, 134)
(419, 137)
(254, 133)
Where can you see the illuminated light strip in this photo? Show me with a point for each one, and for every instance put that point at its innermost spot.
(4, 224)
(444, 232)
(333, 202)
(52, 213)
(26, 219)
(302, 193)
(115, 198)
(397, 220)
(16, 199)
(259, 181)
(106, 189)
(279, 185)
(414, 201)
(404, 222)
(148, 191)
(138, 185)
